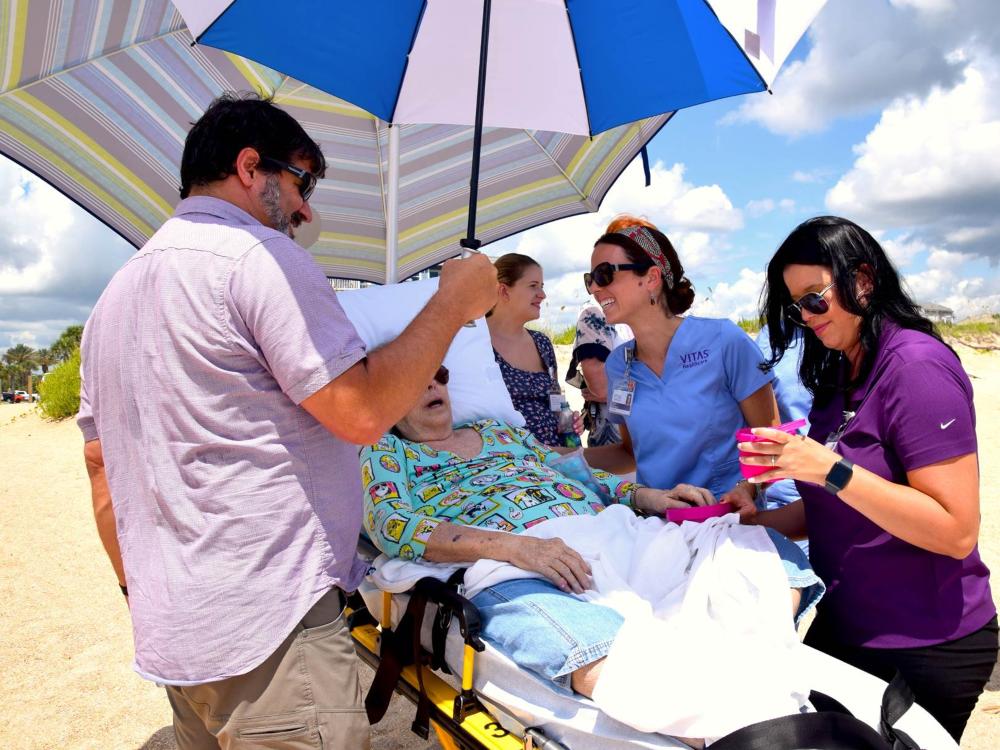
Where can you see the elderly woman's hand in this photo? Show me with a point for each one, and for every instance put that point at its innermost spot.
(789, 457)
(554, 559)
(655, 502)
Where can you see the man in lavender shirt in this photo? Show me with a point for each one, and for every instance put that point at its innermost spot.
(223, 390)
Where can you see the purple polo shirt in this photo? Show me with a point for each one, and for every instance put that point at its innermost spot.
(914, 409)
(236, 510)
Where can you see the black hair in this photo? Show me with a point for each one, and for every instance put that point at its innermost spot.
(847, 250)
(235, 121)
(676, 300)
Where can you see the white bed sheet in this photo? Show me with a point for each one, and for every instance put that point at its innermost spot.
(523, 700)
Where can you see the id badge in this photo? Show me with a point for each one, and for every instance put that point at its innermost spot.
(621, 397)
(834, 437)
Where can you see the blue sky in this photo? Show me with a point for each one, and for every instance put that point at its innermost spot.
(885, 113)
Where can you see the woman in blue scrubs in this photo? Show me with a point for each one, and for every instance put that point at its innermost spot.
(684, 386)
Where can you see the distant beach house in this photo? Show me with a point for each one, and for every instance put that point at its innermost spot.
(937, 313)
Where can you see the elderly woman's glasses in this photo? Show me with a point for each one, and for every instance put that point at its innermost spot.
(307, 180)
(442, 375)
(604, 273)
(813, 302)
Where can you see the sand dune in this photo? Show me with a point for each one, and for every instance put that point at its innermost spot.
(67, 648)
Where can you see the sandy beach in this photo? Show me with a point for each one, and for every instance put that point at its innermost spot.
(67, 648)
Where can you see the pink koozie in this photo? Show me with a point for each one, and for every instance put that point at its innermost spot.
(745, 435)
(698, 513)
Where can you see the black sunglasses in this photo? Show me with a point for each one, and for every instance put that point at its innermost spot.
(814, 302)
(442, 375)
(307, 180)
(604, 273)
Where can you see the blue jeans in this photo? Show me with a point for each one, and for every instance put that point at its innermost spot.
(544, 630)
(553, 634)
(799, 571)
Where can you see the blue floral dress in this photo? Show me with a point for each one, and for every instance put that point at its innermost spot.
(530, 391)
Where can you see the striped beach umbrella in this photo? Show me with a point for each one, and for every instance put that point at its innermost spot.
(571, 66)
(97, 98)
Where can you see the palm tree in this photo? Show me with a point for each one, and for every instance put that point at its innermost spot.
(67, 342)
(21, 359)
(45, 358)
(7, 377)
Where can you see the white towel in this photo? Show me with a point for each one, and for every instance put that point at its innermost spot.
(708, 644)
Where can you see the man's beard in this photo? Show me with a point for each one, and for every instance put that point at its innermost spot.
(271, 198)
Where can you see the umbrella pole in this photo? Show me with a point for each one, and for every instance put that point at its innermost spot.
(470, 242)
(392, 208)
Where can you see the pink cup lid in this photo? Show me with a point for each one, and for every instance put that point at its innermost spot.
(745, 434)
(698, 513)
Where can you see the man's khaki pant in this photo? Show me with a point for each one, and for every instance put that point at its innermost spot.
(305, 696)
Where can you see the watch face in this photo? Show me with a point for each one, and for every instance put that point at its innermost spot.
(839, 476)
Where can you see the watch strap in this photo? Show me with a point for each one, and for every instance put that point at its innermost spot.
(839, 475)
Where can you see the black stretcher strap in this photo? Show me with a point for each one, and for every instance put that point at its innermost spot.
(401, 647)
(831, 727)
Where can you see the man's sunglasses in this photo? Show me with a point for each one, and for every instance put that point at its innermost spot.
(604, 273)
(442, 375)
(307, 180)
(814, 302)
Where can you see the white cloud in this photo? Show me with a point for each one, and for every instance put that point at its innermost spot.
(807, 177)
(967, 296)
(904, 250)
(933, 163)
(55, 260)
(759, 208)
(739, 299)
(866, 53)
(950, 278)
(697, 219)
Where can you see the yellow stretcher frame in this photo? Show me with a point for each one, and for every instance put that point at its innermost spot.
(457, 724)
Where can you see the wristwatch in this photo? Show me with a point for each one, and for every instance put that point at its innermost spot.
(839, 476)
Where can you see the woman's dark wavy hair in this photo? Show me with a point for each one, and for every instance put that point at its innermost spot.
(844, 248)
(677, 300)
(235, 121)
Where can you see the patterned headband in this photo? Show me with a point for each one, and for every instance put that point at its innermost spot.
(645, 239)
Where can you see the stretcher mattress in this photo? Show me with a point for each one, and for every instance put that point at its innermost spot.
(518, 699)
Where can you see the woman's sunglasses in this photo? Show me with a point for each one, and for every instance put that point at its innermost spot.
(307, 180)
(442, 375)
(604, 273)
(813, 302)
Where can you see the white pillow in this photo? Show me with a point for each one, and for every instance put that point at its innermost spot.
(476, 387)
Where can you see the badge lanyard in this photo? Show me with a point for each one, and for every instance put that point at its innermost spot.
(623, 390)
(846, 416)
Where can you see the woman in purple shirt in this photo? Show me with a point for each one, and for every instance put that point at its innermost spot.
(889, 474)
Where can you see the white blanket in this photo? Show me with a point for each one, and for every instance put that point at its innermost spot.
(708, 644)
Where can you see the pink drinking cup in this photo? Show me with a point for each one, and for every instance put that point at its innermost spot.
(745, 435)
(698, 513)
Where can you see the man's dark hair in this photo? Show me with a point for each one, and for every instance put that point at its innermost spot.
(236, 121)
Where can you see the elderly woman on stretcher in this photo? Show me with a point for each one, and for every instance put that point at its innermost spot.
(488, 492)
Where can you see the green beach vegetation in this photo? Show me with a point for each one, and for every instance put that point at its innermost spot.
(60, 391)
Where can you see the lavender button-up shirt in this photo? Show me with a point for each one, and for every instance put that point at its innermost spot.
(236, 510)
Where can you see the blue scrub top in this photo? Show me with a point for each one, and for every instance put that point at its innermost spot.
(683, 424)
